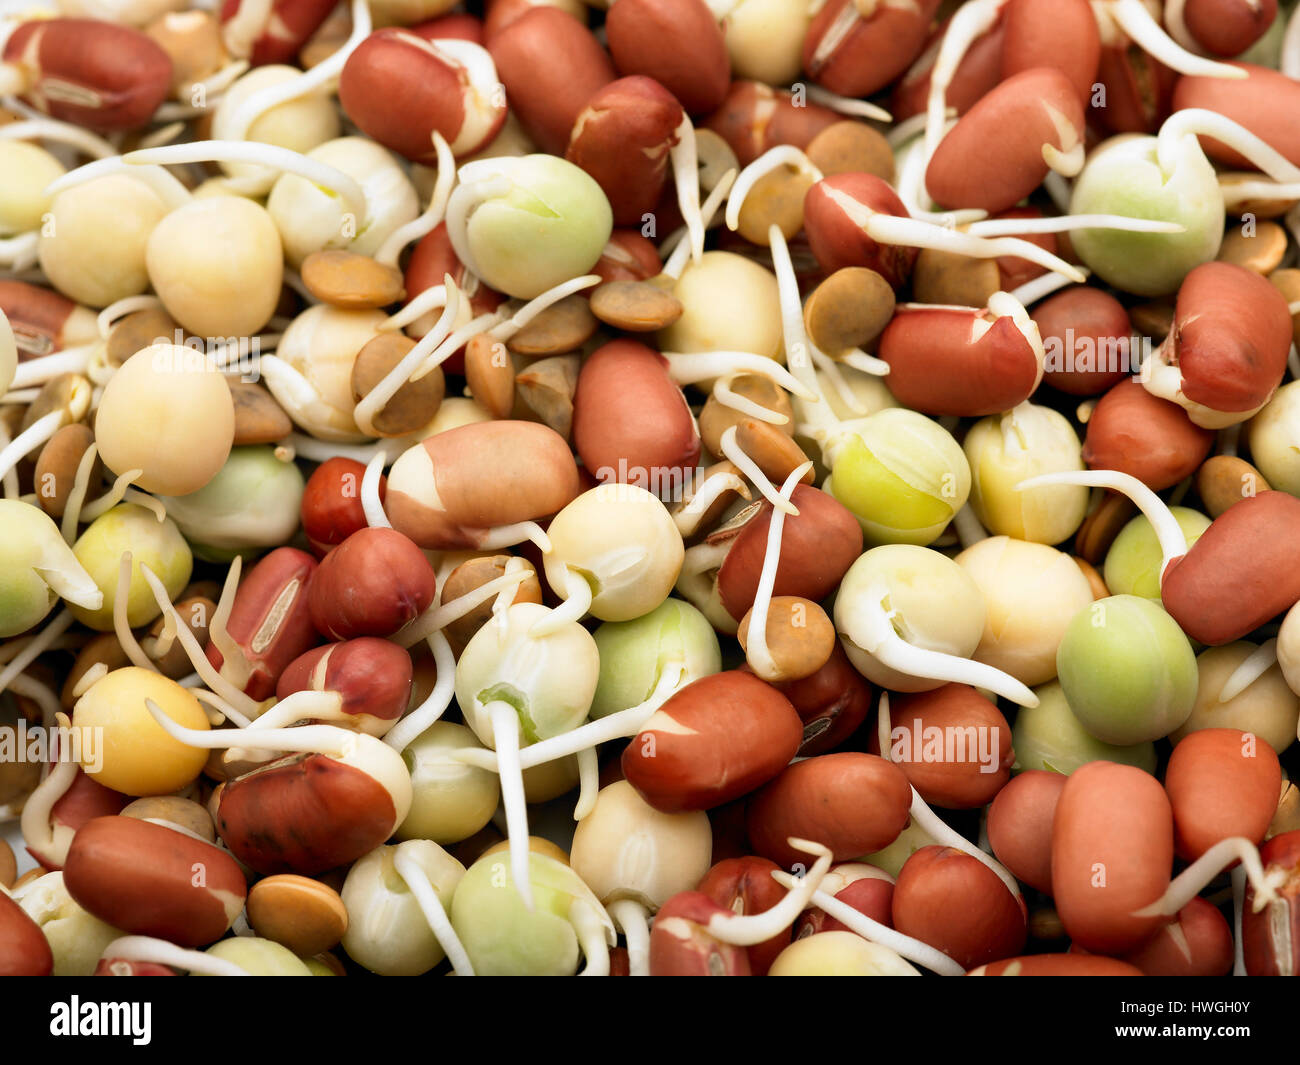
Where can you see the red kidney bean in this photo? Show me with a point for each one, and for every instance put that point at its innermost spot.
(837, 241)
(939, 362)
(1136, 90)
(1198, 943)
(1112, 854)
(441, 93)
(1226, 28)
(454, 27)
(1020, 826)
(1140, 434)
(1230, 337)
(85, 800)
(678, 43)
(154, 881)
(1035, 28)
(745, 886)
(716, 739)
(628, 256)
(373, 676)
(856, 56)
(270, 621)
(24, 950)
(989, 923)
(370, 585)
(817, 548)
(37, 317)
(1057, 965)
(551, 65)
(1221, 782)
(622, 139)
(450, 490)
(631, 423)
(1261, 102)
(331, 503)
(978, 73)
(304, 814)
(993, 157)
(754, 117)
(982, 763)
(501, 13)
(1271, 937)
(853, 803)
(867, 889)
(1084, 331)
(95, 74)
(283, 30)
(1240, 573)
(831, 702)
(680, 944)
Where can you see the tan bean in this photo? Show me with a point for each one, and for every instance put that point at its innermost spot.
(545, 392)
(1287, 816)
(415, 403)
(475, 573)
(1260, 207)
(1095, 582)
(851, 147)
(943, 277)
(635, 306)
(185, 813)
(197, 612)
(259, 419)
(714, 156)
(1224, 480)
(1288, 283)
(351, 281)
(137, 331)
(192, 41)
(776, 198)
(1045, 925)
(490, 374)
(561, 328)
(57, 464)
(800, 637)
(1101, 526)
(716, 419)
(1153, 320)
(27, 878)
(850, 309)
(1261, 251)
(8, 865)
(300, 913)
(775, 453)
(100, 648)
(69, 393)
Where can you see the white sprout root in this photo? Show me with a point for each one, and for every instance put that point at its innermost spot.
(161, 952)
(873, 631)
(431, 710)
(786, 155)
(676, 262)
(630, 916)
(38, 645)
(714, 487)
(577, 595)
(588, 782)
(30, 439)
(125, 637)
(438, 617)
(732, 451)
(499, 536)
(686, 178)
(390, 251)
(1136, 21)
(941, 832)
(688, 368)
(752, 929)
(530, 310)
(593, 937)
(1004, 227)
(37, 830)
(434, 912)
(846, 105)
(371, 505)
(1259, 662)
(1197, 121)
(505, 740)
(757, 653)
(728, 397)
(1193, 880)
(1173, 544)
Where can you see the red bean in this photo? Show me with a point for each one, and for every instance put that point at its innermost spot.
(1088, 342)
(989, 923)
(1226, 28)
(980, 766)
(681, 946)
(718, 738)
(867, 889)
(372, 584)
(1112, 853)
(1020, 826)
(95, 74)
(331, 503)
(857, 56)
(831, 702)
(1240, 573)
(454, 27)
(755, 117)
(853, 803)
(745, 886)
(993, 157)
(1198, 943)
(1057, 965)
(1136, 90)
(373, 677)
(978, 73)
(631, 423)
(678, 43)
(24, 950)
(1271, 936)
(1034, 28)
(1140, 434)
(85, 800)
(1262, 102)
(838, 242)
(284, 29)
(269, 621)
(1221, 782)
(150, 880)
(628, 256)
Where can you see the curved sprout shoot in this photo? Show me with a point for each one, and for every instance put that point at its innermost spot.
(968, 24)
(588, 782)
(630, 916)
(688, 518)
(167, 187)
(38, 832)
(1197, 121)
(431, 299)
(456, 341)
(391, 249)
(30, 439)
(676, 262)
(161, 952)
(752, 929)
(500, 536)
(530, 310)
(1136, 21)
(686, 177)
(1004, 227)
(434, 912)
(47, 367)
(1040, 288)
(732, 451)
(771, 160)
(1257, 663)
(505, 739)
(941, 832)
(1238, 879)
(438, 617)
(758, 653)
(724, 394)
(431, 710)
(861, 361)
(577, 596)
(371, 504)
(688, 368)
(1193, 880)
(50, 129)
(592, 935)
(125, 636)
(846, 105)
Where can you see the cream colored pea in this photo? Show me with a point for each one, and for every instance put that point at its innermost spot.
(729, 303)
(216, 263)
(77, 938)
(27, 169)
(1275, 439)
(299, 125)
(297, 912)
(450, 800)
(123, 747)
(185, 813)
(92, 247)
(536, 845)
(765, 38)
(258, 957)
(167, 411)
(1032, 591)
(1288, 648)
(550, 780)
(1268, 708)
(839, 954)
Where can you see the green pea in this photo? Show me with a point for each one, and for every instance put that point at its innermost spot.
(634, 654)
(36, 568)
(1134, 560)
(450, 800)
(1127, 670)
(259, 957)
(1049, 736)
